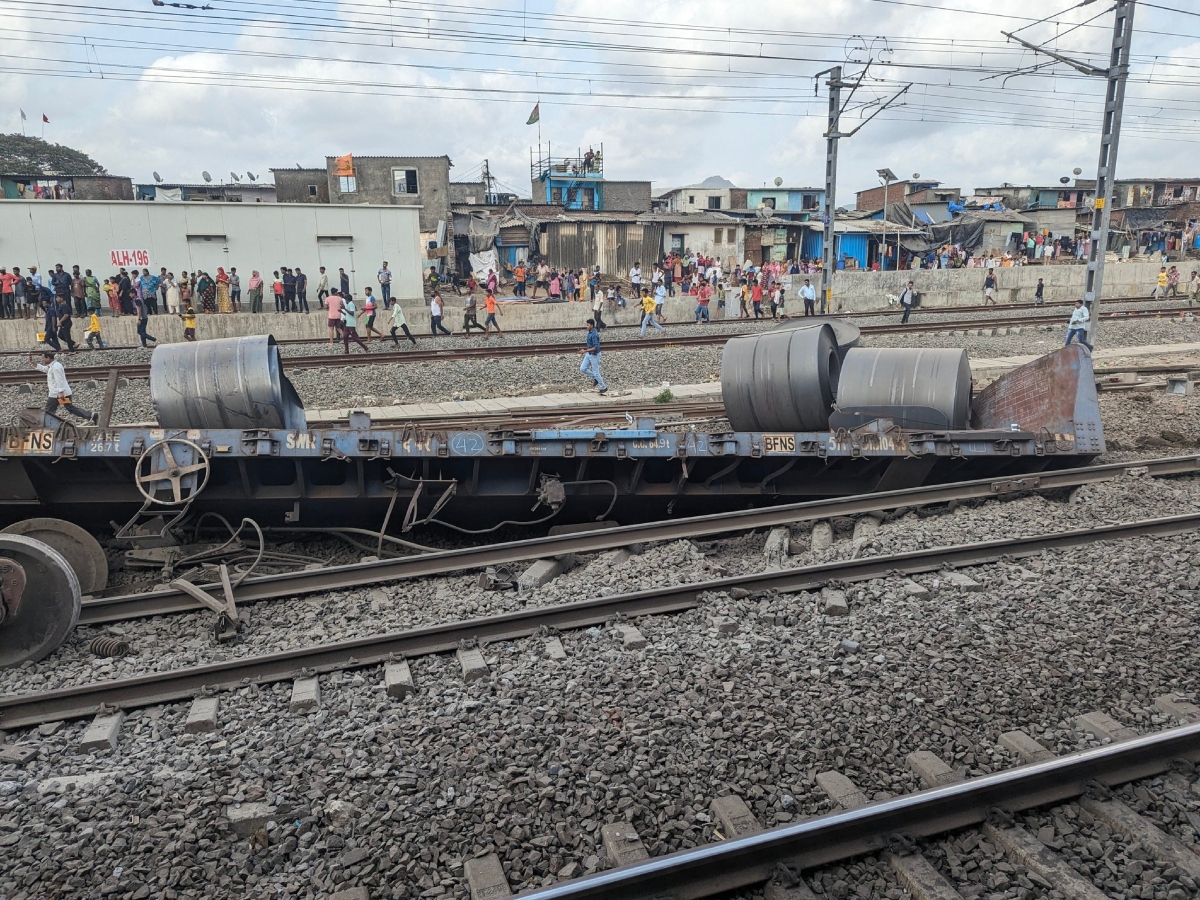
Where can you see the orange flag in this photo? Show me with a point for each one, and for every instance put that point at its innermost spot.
(343, 165)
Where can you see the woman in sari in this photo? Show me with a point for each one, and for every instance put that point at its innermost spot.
(207, 290)
(255, 288)
(114, 297)
(224, 304)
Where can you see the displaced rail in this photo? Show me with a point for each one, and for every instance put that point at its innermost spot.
(162, 687)
(270, 587)
(501, 349)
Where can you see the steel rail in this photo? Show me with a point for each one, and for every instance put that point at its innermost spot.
(498, 350)
(847, 314)
(822, 840)
(162, 687)
(268, 587)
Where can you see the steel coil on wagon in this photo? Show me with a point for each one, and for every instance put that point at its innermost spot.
(845, 332)
(916, 388)
(223, 383)
(781, 380)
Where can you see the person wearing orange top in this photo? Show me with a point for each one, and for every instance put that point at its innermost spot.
(519, 274)
(491, 307)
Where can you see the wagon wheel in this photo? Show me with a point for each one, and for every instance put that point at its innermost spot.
(39, 599)
(80, 549)
(173, 472)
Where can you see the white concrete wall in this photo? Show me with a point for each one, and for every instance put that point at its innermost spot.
(260, 236)
(698, 238)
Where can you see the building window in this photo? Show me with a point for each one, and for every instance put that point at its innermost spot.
(691, 200)
(769, 202)
(404, 181)
(714, 202)
(347, 184)
(556, 196)
(730, 236)
(717, 232)
(312, 190)
(810, 201)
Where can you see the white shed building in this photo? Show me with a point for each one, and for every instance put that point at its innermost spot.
(102, 235)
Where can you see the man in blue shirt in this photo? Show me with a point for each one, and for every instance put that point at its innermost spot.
(591, 356)
(150, 291)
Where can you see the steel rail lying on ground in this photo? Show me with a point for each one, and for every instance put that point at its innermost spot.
(267, 587)
(445, 354)
(822, 840)
(162, 687)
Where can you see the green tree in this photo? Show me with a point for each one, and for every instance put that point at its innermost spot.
(27, 155)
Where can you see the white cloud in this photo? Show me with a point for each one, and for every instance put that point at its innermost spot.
(180, 129)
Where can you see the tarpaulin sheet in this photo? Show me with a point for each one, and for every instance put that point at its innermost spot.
(965, 231)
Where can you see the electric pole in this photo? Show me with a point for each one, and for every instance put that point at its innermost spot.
(828, 257)
(832, 136)
(1116, 75)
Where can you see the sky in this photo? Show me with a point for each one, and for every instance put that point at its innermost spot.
(674, 92)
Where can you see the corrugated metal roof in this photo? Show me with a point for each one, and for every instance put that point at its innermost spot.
(871, 226)
(999, 215)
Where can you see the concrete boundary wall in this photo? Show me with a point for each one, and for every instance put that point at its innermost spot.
(854, 291)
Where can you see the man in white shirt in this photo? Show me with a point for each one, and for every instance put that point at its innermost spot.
(58, 389)
(635, 278)
(1077, 328)
(808, 294)
(907, 299)
(322, 288)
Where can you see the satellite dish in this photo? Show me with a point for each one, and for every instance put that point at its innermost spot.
(1077, 170)
(252, 176)
(157, 177)
(778, 181)
(1065, 180)
(916, 174)
(234, 176)
(206, 176)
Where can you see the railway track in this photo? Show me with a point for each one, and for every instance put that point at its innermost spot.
(24, 710)
(502, 350)
(119, 608)
(863, 314)
(783, 858)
